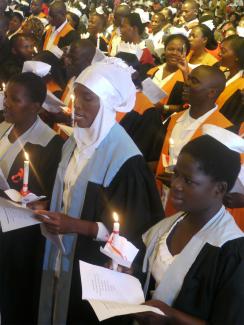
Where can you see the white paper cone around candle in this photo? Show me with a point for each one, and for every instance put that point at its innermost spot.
(122, 254)
(72, 110)
(118, 248)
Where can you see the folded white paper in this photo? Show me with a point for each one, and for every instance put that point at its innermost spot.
(108, 309)
(100, 283)
(107, 292)
(13, 216)
(152, 91)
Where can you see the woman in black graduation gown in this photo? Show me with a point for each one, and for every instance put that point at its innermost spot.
(232, 58)
(101, 171)
(196, 257)
(21, 250)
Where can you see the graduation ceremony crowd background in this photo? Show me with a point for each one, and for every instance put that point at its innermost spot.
(133, 107)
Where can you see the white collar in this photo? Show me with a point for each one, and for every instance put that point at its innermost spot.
(196, 122)
(57, 30)
(238, 75)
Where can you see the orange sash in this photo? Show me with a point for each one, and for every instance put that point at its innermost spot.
(52, 86)
(168, 87)
(238, 84)
(141, 105)
(216, 118)
(64, 31)
(208, 60)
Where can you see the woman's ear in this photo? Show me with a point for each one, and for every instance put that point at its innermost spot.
(221, 188)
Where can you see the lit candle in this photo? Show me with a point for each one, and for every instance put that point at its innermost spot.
(3, 86)
(115, 236)
(26, 174)
(72, 109)
(171, 152)
(116, 223)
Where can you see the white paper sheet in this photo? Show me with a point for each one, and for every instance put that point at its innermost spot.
(99, 283)
(3, 182)
(152, 91)
(108, 309)
(56, 239)
(13, 216)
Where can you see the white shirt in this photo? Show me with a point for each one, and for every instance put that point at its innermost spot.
(185, 127)
(75, 167)
(158, 77)
(54, 33)
(158, 44)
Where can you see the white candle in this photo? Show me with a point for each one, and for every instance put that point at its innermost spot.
(115, 240)
(98, 41)
(72, 109)
(171, 152)
(26, 174)
(116, 223)
(3, 86)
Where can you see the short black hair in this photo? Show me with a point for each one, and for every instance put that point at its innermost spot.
(215, 159)
(237, 45)
(34, 85)
(183, 38)
(135, 21)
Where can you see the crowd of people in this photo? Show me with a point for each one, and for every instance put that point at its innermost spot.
(138, 108)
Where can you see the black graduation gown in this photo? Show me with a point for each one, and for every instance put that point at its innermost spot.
(66, 40)
(147, 130)
(233, 108)
(213, 289)
(21, 251)
(133, 192)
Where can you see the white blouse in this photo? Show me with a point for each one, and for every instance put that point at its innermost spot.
(163, 257)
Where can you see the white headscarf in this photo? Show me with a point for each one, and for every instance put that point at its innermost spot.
(111, 81)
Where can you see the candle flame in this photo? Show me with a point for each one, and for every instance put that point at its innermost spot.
(171, 141)
(3, 86)
(115, 216)
(26, 156)
(72, 98)
(35, 49)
